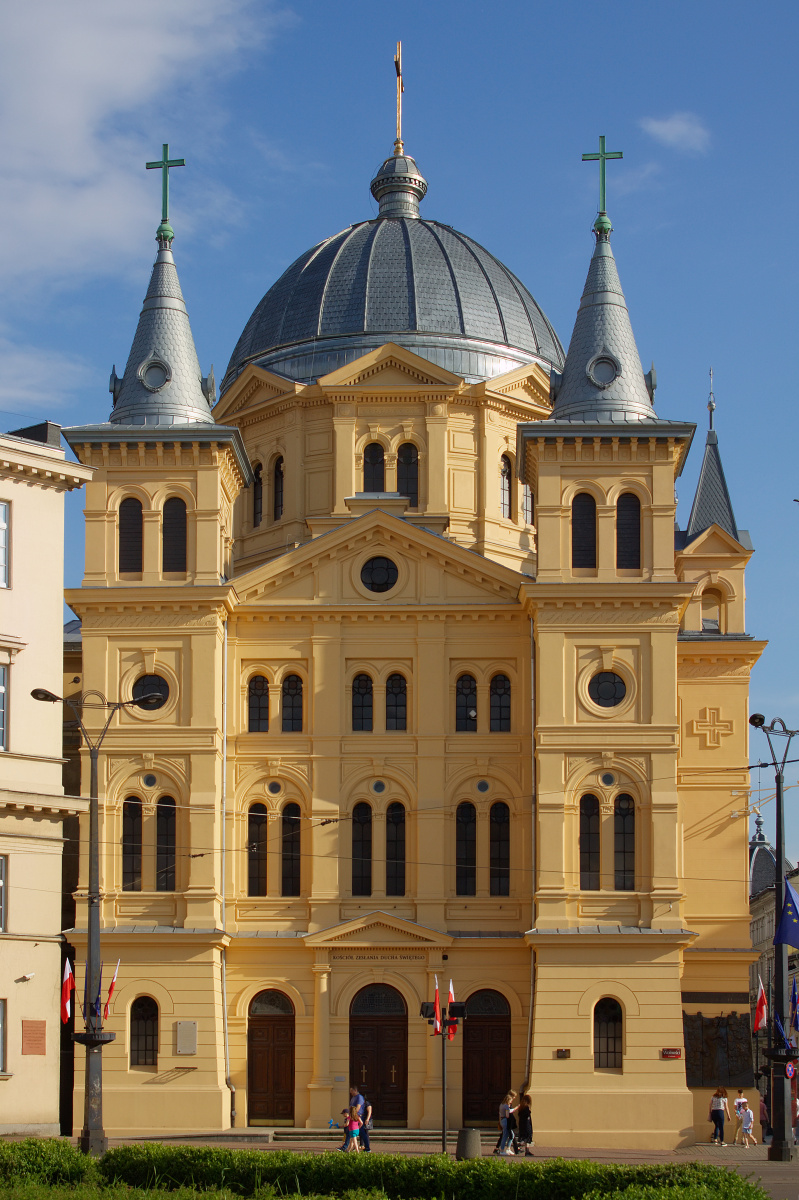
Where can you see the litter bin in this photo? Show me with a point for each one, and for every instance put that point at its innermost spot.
(468, 1145)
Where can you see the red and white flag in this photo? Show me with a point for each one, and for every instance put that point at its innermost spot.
(111, 991)
(451, 1028)
(437, 1017)
(67, 988)
(761, 1011)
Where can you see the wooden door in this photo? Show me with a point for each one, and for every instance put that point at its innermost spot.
(270, 1064)
(486, 1057)
(379, 1052)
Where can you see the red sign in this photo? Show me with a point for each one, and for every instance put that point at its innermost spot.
(674, 1052)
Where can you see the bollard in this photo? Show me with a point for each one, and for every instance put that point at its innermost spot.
(468, 1145)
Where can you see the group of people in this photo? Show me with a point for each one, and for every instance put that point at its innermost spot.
(744, 1117)
(357, 1123)
(516, 1136)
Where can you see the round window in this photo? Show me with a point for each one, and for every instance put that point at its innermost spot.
(608, 779)
(154, 376)
(274, 787)
(379, 574)
(150, 781)
(151, 692)
(603, 369)
(482, 785)
(378, 786)
(607, 689)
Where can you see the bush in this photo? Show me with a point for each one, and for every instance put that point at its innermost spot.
(248, 1172)
(44, 1160)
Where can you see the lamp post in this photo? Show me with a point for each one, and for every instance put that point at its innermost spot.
(782, 1146)
(92, 1139)
(457, 1009)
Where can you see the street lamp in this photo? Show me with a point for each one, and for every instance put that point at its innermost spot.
(92, 1139)
(428, 1010)
(782, 1147)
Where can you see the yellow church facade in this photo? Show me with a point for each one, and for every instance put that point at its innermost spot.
(442, 697)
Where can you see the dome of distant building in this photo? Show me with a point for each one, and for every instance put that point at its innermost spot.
(397, 278)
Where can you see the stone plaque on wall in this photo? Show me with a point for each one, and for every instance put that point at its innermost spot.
(718, 1050)
(34, 1037)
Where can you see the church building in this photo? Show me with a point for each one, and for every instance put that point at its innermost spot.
(437, 691)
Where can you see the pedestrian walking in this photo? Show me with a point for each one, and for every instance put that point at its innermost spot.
(719, 1109)
(366, 1117)
(353, 1128)
(358, 1101)
(747, 1124)
(739, 1103)
(525, 1119)
(765, 1124)
(506, 1111)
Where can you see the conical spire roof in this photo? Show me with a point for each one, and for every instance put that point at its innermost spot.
(163, 383)
(712, 504)
(602, 379)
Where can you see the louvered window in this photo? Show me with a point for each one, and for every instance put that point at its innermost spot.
(131, 525)
(257, 496)
(628, 532)
(500, 849)
(466, 849)
(583, 531)
(362, 850)
(291, 823)
(395, 850)
(527, 505)
(277, 489)
(504, 486)
(589, 844)
(374, 468)
(408, 473)
(173, 553)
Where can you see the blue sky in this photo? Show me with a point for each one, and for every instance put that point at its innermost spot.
(283, 112)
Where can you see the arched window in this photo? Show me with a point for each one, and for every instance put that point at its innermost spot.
(624, 843)
(395, 850)
(257, 819)
(711, 611)
(362, 850)
(628, 532)
(374, 468)
(277, 489)
(290, 849)
(408, 473)
(173, 536)
(583, 530)
(362, 703)
(258, 705)
(608, 1040)
(144, 1032)
(500, 704)
(589, 844)
(396, 702)
(292, 704)
(378, 1000)
(466, 704)
(528, 505)
(131, 524)
(466, 849)
(131, 845)
(165, 852)
(504, 486)
(500, 849)
(257, 495)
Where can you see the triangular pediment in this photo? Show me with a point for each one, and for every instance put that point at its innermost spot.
(713, 541)
(390, 367)
(529, 382)
(327, 570)
(379, 930)
(254, 386)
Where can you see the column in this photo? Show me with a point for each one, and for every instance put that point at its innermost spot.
(321, 1085)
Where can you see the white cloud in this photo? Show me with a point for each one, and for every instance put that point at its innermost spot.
(635, 179)
(681, 131)
(33, 379)
(84, 89)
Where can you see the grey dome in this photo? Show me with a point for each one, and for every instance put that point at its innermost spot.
(403, 279)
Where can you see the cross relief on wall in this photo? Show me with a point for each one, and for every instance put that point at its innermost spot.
(711, 727)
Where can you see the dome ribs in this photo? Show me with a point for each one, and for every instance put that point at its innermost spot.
(468, 245)
(301, 315)
(344, 298)
(438, 307)
(389, 291)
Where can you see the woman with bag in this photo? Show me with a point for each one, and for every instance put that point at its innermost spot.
(719, 1109)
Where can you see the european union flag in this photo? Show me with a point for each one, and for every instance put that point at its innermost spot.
(788, 929)
(794, 1021)
(781, 1031)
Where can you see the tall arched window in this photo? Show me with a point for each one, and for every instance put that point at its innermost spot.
(712, 608)
(528, 505)
(257, 495)
(165, 848)
(277, 489)
(583, 530)
(466, 849)
(131, 525)
(396, 702)
(500, 849)
(628, 532)
(362, 703)
(395, 850)
(374, 468)
(131, 845)
(291, 823)
(258, 705)
(500, 704)
(466, 704)
(173, 536)
(504, 486)
(589, 844)
(408, 473)
(144, 1032)
(257, 820)
(362, 850)
(608, 1034)
(291, 693)
(624, 843)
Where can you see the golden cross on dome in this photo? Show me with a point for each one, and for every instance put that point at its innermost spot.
(400, 89)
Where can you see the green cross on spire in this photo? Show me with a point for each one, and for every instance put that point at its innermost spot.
(164, 229)
(602, 158)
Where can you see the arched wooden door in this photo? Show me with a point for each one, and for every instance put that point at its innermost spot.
(379, 1052)
(270, 1060)
(486, 1056)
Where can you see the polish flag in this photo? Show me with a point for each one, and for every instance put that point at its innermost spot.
(451, 1028)
(67, 988)
(761, 1011)
(437, 1017)
(111, 991)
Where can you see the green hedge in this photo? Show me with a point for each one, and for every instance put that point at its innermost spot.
(246, 1172)
(40, 1160)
